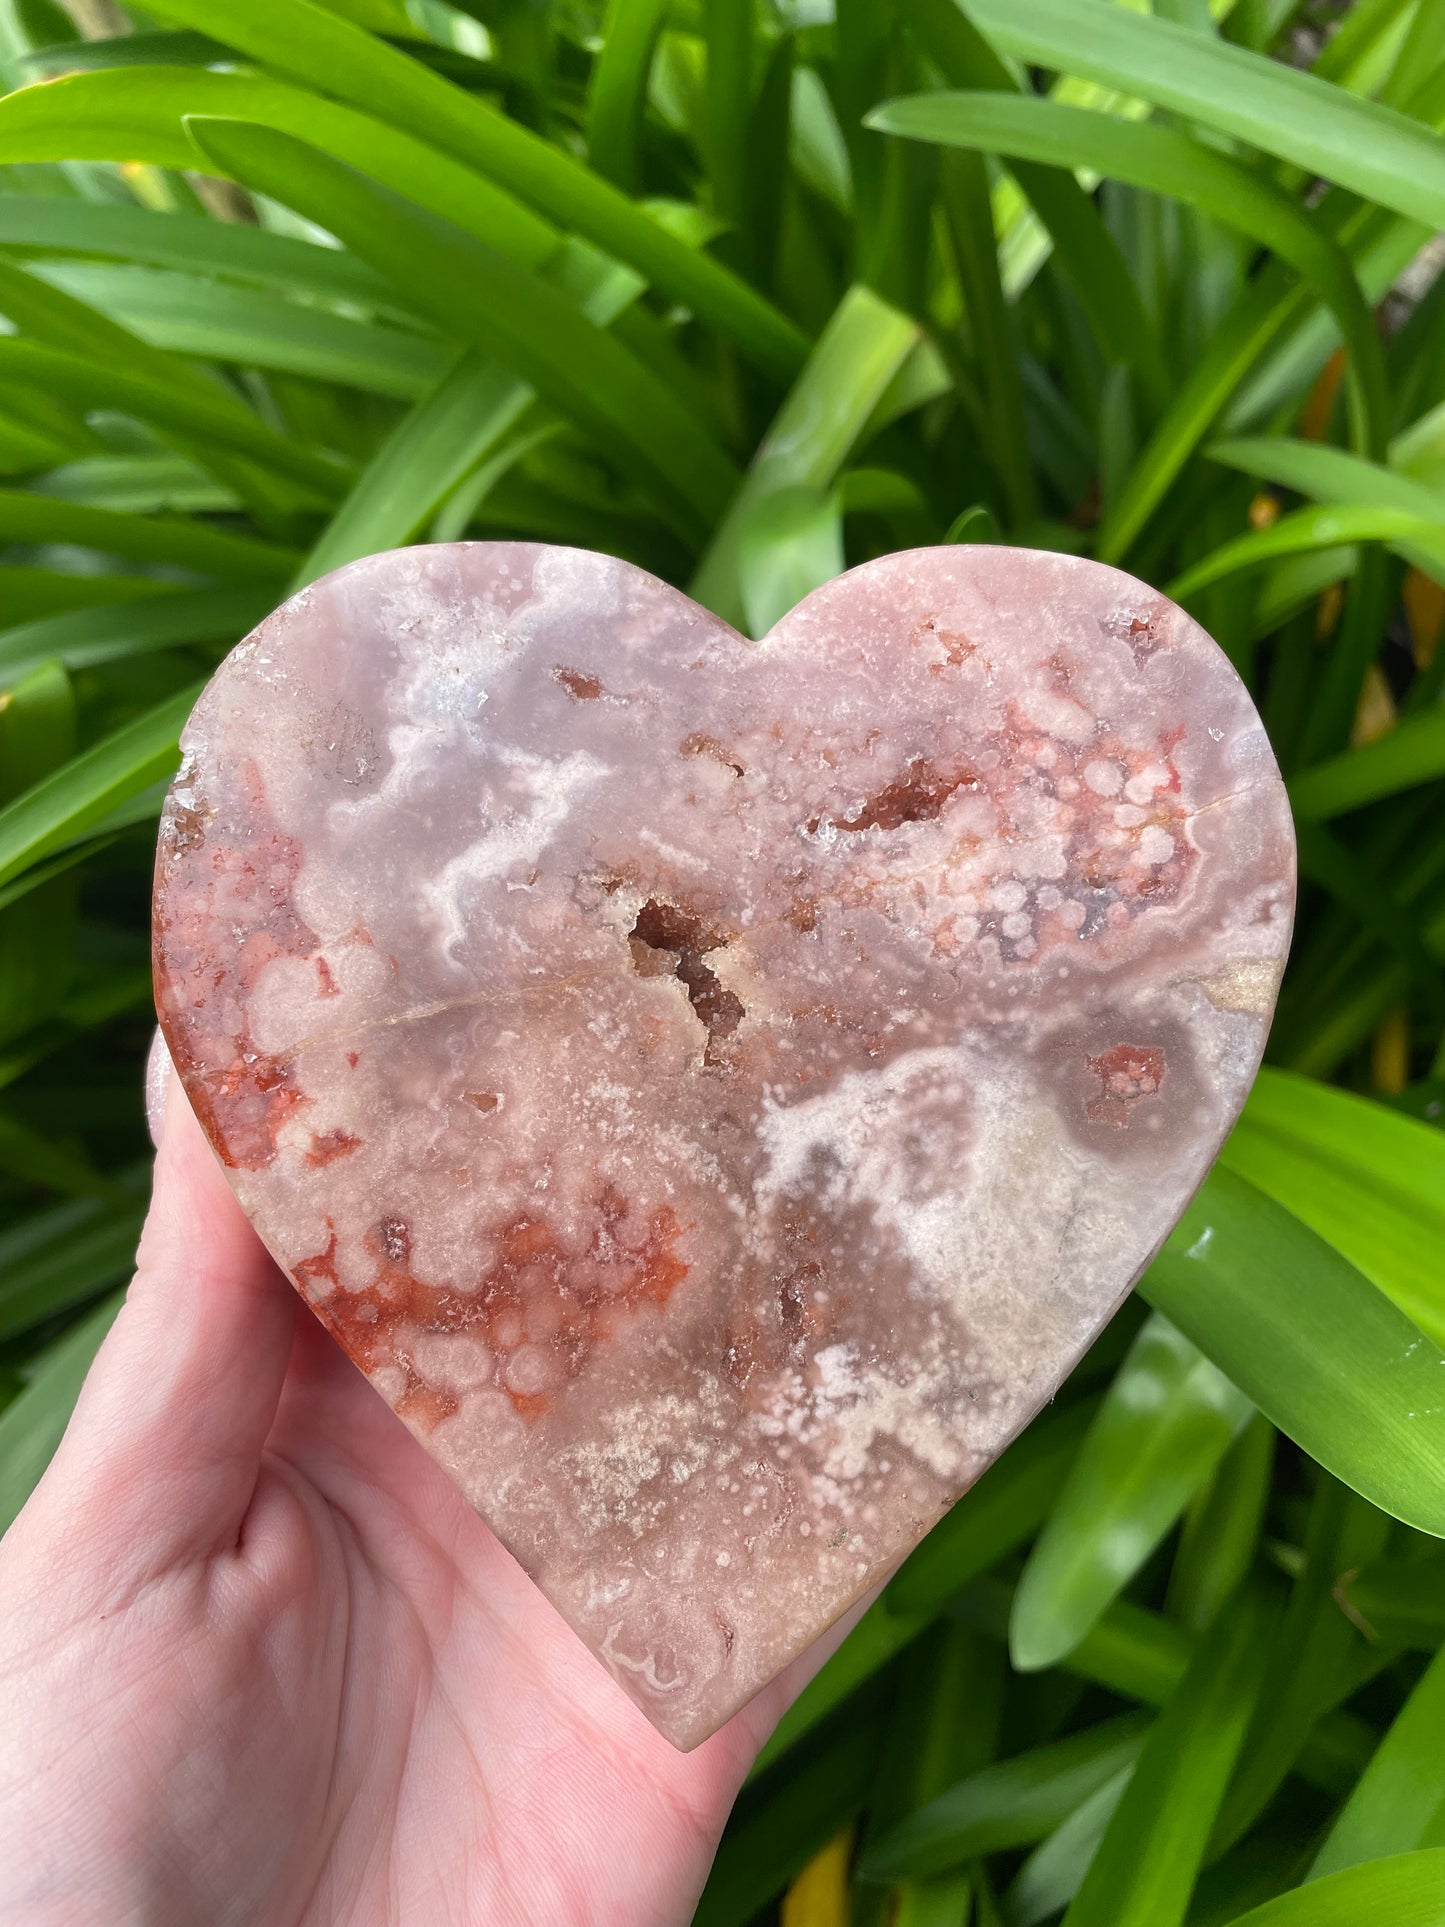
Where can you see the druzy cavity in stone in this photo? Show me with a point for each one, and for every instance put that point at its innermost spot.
(715, 1090)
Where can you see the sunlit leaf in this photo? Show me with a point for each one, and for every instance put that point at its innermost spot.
(1369, 1180)
(1312, 1343)
(1165, 1423)
(1266, 103)
(501, 308)
(306, 41)
(1407, 1890)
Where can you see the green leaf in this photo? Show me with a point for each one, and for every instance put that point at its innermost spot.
(1087, 254)
(1135, 1653)
(186, 315)
(1165, 1424)
(1398, 1602)
(348, 64)
(947, 1717)
(37, 728)
(78, 796)
(1054, 1871)
(420, 462)
(1314, 1661)
(863, 347)
(789, 543)
(1292, 114)
(1263, 315)
(1147, 1863)
(1334, 475)
(139, 114)
(499, 307)
(58, 1258)
(1328, 474)
(1163, 160)
(140, 484)
(782, 1820)
(879, 1635)
(1366, 1178)
(1407, 1891)
(38, 938)
(1399, 1803)
(35, 1159)
(968, 211)
(1007, 1505)
(31, 595)
(1413, 752)
(166, 391)
(1221, 1530)
(1311, 529)
(31, 1427)
(180, 412)
(461, 424)
(186, 544)
(617, 93)
(45, 224)
(84, 637)
(1010, 1804)
(1310, 1341)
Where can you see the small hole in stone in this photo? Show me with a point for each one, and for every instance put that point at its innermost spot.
(667, 941)
(483, 1100)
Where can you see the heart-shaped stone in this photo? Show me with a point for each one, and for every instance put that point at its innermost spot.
(715, 1090)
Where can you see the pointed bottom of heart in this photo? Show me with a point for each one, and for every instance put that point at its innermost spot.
(715, 1090)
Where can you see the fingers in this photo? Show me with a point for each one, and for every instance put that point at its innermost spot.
(163, 1450)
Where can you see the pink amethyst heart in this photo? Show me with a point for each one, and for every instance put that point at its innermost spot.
(715, 1090)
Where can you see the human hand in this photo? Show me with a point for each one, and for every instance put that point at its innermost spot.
(261, 1663)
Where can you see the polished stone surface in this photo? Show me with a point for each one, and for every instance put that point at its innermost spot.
(715, 1090)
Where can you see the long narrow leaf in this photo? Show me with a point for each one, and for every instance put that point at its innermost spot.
(46, 224)
(341, 60)
(1267, 103)
(78, 796)
(499, 307)
(1165, 1423)
(1412, 753)
(1363, 1176)
(1407, 1890)
(1147, 1862)
(139, 114)
(1312, 1343)
(85, 637)
(1011, 1804)
(26, 517)
(862, 349)
(1163, 160)
(183, 413)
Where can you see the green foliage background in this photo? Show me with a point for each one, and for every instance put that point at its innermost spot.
(746, 292)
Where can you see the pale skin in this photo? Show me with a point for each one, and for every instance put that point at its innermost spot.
(260, 1663)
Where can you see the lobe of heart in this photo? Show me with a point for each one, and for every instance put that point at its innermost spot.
(715, 1090)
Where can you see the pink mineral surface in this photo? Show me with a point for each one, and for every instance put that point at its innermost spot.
(715, 1090)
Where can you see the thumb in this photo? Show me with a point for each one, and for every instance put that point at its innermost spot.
(164, 1446)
